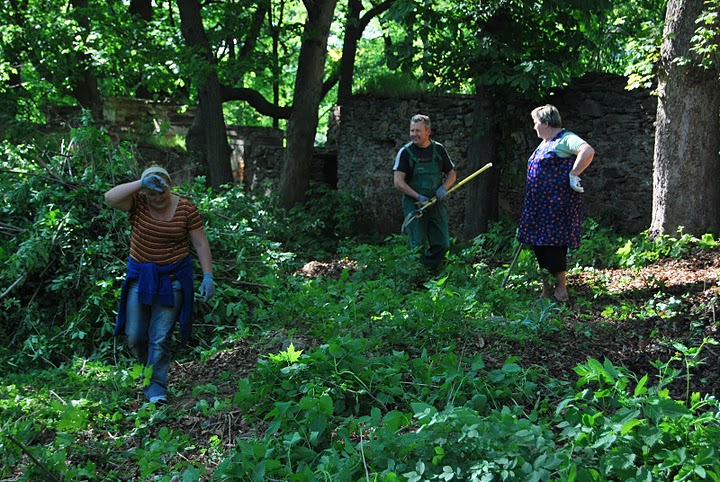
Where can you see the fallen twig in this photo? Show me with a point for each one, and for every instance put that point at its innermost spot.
(248, 283)
(52, 173)
(10, 228)
(37, 462)
(362, 454)
(7, 291)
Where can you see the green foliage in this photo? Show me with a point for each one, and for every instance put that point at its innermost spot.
(120, 51)
(643, 50)
(326, 219)
(55, 60)
(391, 84)
(622, 428)
(59, 246)
(598, 246)
(394, 380)
(322, 401)
(641, 250)
(705, 41)
(71, 403)
(614, 428)
(513, 46)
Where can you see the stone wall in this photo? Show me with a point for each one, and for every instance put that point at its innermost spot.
(366, 134)
(147, 115)
(618, 123)
(249, 144)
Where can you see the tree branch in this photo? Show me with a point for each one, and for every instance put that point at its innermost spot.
(256, 101)
(257, 21)
(374, 12)
(7, 291)
(330, 82)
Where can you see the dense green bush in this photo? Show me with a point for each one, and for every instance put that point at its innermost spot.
(64, 251)
(59, 247)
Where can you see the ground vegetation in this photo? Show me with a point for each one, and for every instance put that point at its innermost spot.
(330, 355)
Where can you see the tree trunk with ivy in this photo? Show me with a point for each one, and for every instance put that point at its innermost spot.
(687, 145)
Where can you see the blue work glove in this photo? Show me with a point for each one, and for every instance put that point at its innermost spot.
(207, 287)
(422, 199)
(154, 182)
(441, 192)
(575, 183)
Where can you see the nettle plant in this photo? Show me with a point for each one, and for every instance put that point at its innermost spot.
(622, 428)
(340, 408)
(641, 250)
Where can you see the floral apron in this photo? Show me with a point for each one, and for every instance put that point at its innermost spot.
(552, 211)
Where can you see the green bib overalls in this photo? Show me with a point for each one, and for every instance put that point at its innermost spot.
(428, 233)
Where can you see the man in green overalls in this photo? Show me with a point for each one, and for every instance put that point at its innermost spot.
(422, 170)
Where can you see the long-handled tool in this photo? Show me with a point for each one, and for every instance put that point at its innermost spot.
(512, 265)
(419, 212)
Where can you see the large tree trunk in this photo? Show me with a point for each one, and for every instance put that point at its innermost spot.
(350, 42)
(207, 138)
(303, 122)
(481, 202)
(687, 163)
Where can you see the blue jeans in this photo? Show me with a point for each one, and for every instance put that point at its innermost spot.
(149, 330)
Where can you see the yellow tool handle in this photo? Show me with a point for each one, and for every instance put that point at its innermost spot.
(471, 176)
(479, 171)
(419, 212)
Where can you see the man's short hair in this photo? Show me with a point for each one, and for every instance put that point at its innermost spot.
(421, 118)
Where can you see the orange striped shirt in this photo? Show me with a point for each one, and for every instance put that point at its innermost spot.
(161, 242)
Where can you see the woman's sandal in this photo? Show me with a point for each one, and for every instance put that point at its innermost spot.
(564, 301)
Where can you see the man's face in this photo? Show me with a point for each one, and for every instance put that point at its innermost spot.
(419, 134)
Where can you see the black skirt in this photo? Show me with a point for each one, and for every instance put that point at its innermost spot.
(552, 258)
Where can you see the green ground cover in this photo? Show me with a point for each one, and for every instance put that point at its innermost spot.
(329, 355)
